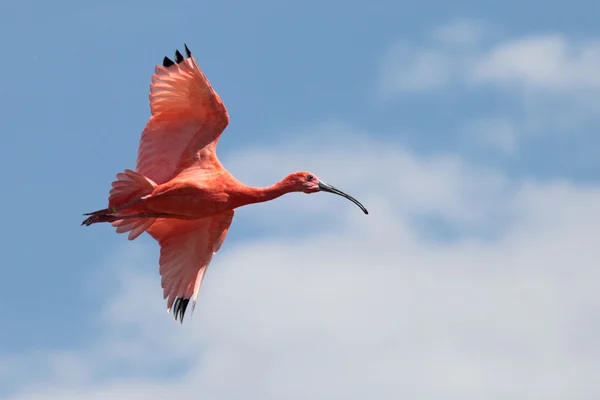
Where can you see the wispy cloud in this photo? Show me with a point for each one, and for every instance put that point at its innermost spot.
(406, 69)
(545, 62)
(549, 61)
(365, 306)
(543, 84)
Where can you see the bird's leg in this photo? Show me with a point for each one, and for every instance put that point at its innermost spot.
(93, 219)
(143, 215)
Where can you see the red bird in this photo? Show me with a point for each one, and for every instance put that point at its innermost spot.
(180, 193)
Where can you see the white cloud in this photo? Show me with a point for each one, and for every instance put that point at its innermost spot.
(544, 84)
(364, 307)
(545, 62)
(406, 69)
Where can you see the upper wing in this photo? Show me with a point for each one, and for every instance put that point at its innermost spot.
(186, 249)
(187, 115)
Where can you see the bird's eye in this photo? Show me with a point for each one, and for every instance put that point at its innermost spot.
(310, 177)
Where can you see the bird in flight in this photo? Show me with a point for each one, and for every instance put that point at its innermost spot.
(180, 194)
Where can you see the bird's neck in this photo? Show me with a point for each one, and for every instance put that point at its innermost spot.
(259, 195)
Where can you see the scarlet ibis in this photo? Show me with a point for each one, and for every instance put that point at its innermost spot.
(180, 193)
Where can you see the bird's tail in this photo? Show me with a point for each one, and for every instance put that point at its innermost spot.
(127, 190)
(129, 187)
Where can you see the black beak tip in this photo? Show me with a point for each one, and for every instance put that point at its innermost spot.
(330, 189)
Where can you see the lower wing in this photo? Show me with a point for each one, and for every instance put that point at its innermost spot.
(186, 249)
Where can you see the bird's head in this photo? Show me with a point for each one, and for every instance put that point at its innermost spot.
(308, 182)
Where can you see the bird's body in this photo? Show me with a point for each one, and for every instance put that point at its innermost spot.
(180, 193)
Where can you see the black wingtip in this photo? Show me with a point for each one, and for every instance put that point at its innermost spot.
(179, 308)
(167, 62)
(178, 57)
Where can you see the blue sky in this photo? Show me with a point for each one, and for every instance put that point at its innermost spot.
(458, 124)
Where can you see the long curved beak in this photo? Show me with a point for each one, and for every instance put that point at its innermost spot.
(330, 189)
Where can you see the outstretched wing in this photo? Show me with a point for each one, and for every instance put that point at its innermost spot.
(186, 249)
(187, 115)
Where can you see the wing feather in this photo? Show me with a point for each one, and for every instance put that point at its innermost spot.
(186, 250)
(187, 115)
